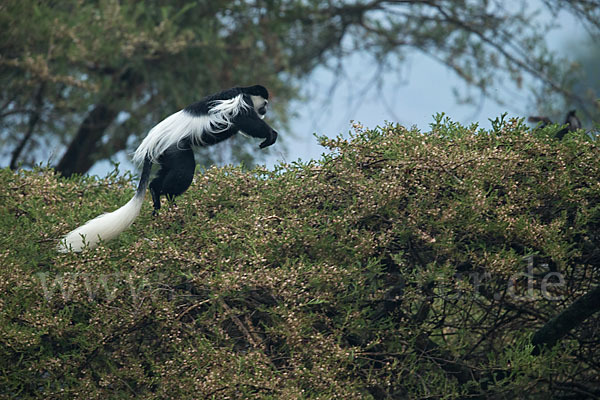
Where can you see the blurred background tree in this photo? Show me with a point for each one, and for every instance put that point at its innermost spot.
(584, 80)
(82, 80)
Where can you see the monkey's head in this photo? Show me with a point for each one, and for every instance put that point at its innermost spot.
(260, 98)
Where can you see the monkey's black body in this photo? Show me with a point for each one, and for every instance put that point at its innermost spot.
(175, 175)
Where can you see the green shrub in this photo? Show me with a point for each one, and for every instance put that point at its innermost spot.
(402, 265)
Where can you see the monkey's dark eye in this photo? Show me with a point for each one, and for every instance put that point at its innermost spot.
(262, 110)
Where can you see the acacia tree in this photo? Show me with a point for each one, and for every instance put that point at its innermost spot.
(90, 78)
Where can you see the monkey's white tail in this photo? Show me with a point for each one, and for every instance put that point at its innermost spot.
(104, 227)
(108, 226)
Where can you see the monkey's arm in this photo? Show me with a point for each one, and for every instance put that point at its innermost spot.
(252, 125)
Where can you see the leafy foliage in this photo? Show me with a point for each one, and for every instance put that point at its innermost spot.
(403, 264)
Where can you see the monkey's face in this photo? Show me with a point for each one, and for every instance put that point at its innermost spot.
(260, 105)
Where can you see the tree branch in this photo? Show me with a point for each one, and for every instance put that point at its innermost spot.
(555, 329)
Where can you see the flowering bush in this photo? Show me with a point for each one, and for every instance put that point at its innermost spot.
(401, 265)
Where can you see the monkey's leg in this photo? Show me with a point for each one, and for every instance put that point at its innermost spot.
(175, 175)
(155, 191)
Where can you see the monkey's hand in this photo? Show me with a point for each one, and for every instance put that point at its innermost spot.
(270, 140)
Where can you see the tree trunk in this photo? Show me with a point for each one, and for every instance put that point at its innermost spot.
(80, 155)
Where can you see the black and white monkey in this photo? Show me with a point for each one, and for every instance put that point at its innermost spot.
(170, 144)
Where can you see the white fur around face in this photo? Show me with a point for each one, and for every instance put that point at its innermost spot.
(258, 102)
(182, 125)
